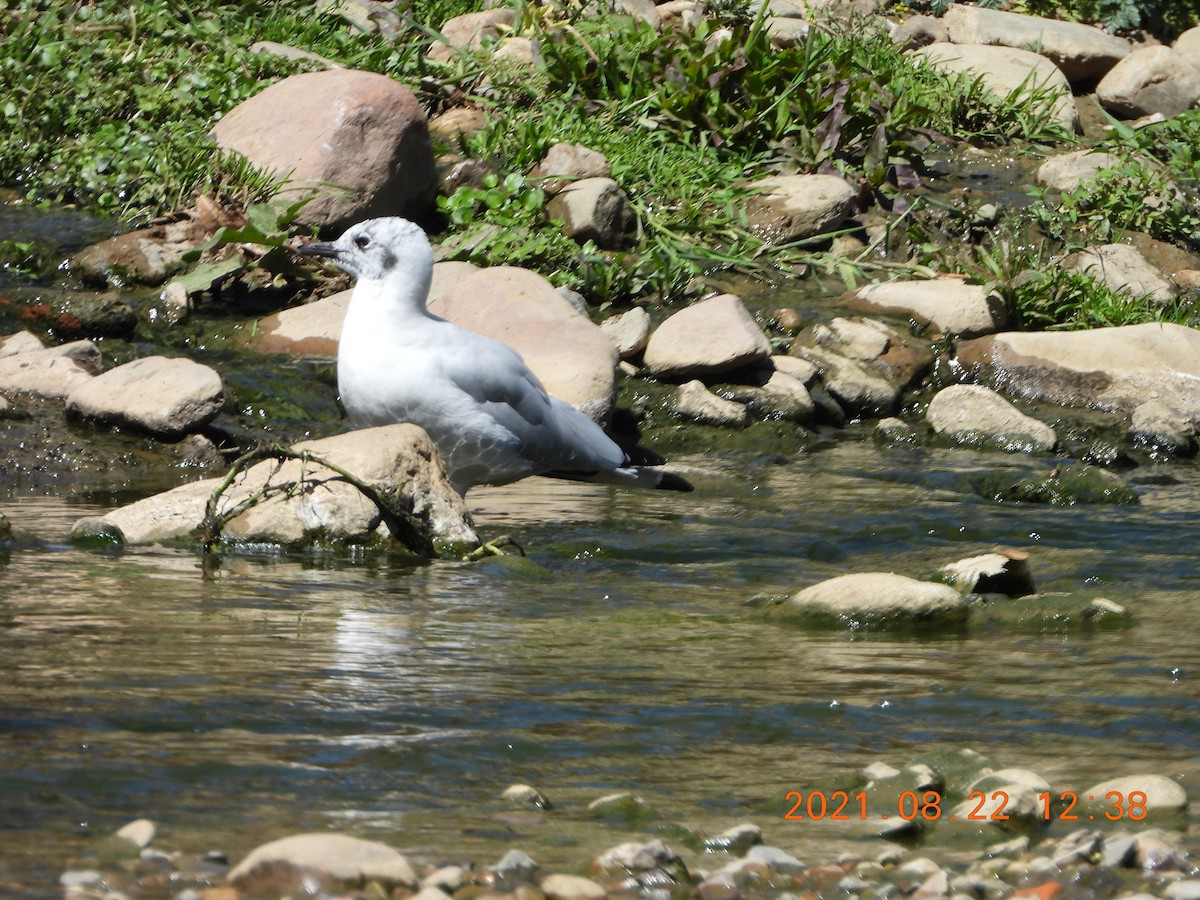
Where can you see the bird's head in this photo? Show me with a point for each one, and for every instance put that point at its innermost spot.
(376, 248)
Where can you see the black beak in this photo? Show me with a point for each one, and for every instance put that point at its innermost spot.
(323, 249)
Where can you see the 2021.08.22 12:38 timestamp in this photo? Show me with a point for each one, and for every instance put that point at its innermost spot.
(927, 805)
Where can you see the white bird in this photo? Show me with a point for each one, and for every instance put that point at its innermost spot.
(488, 414)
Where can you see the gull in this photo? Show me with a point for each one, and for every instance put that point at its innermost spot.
(492, 420)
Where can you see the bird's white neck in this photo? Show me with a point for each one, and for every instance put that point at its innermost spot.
(379, 305)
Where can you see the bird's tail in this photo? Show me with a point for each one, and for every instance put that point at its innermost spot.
(630, 476)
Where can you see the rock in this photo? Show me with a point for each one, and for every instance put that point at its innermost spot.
(919, 31)
(397, 458)
(516, 865)
(709, 337)
(1187, 45)
(1063, 486)
(787, 208)
(1082, 52)
(342, 858)
(453, 124)
(52, 373)
(1018, 789)
(1115, 369)
(857, 389)
(309, 330)
(593, 209)
(368, 16)
(782, 862)
(779, 396)
(146, 256)
(520, 50)
(1163, 794)
(571, 356)
(1149, 80)
(680, 14)
(972, 415)
(801, 369)
(1122, 268)
(629, 331)
(1066, 171)
(471, 31)
(1187, 889)
(736, 840)
(1005, 70)
(75, 315)
(1002, 572)
(19, 342)
(894, 431)
(634, 857)
(571, 887)
(878, 599)
(787, 31)
(565, 164)
(899, 358)
(694, 402)
(642, 10)
(139, 832)
(621, 806)
(950, 305)
(525, 795)
(166, 398)
(1163, 429)
(357, 140)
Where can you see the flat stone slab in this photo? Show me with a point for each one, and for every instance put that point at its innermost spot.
(878, 598)
(164, 397)
(51, 373)
(950, 305)
(339, 856)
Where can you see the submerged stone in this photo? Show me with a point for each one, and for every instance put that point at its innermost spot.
(876, 599)
(1061, 487)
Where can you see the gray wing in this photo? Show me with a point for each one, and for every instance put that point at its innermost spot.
(548, 434)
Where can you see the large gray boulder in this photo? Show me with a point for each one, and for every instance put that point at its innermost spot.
(357, 140)
(975, 415)
(1082, 52)
(951, 305)
(1008, 71)
(709, 337)
(1150, 80)
(878, 599)
(395, 458)
(1114, 369)
(166, 398)
(786, 208)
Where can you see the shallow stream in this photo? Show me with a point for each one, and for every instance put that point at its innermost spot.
(395, 700)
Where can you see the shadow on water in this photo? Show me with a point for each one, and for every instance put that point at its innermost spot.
(396, 700)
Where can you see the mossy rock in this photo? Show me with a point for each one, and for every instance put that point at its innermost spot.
(1053, 612)
(1067, 486)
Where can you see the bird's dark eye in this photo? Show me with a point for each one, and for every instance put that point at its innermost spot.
(362, 242)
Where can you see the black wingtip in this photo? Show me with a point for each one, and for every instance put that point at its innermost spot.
(673, 482)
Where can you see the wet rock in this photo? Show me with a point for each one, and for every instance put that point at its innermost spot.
(1187, 889)
(565, 164)
(950, 305)
(854, 386)
(1082, 52)
(1122, 268)
(736, 840)
(1064, 486)
(571, 887)
(1006, 792)
(877, 599)
(1163, 794)
(899, 358)
(526, 796)
(139, 832)
(629, 331)
(147, 256)
(74, 315)
(1113, 369)
(515, 865)
(973, 415)
(1149, 80)
(779, 397)
(1163, 429)
(709, 337)
(895, 432)
(801, 369)
(1003, 572)
(342, 858)
(621, 806)
(571, 355)
(1117, 851)
(396, 458)
(357, 141)
(471, 31)
(51, 373)
(593, 209)
(787, 208)
(1066, 171)
(19, 342)
(1004, 70)
(636, 857)
(777, 859)
(166, 398)
(696, 403)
